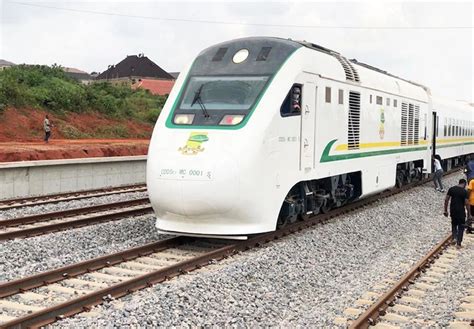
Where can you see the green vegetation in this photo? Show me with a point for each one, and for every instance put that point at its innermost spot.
(49, 88)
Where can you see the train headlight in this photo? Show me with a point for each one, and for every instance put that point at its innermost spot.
(231, 119)
(240, 56)
(183, 119)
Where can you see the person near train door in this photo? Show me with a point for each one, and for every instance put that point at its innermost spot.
(438, 174)
(470, 191)
(469, 170)
(47, 129)
(458, 207)
(296, 100)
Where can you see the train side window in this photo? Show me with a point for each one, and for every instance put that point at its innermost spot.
(388, 101)
(219, 54)
(379, 100)
(328, 94)
(370, 99)
(263, 54)
(291, 106)
(394, 103)
(341, 96)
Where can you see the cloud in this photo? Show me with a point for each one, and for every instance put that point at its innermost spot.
(440, 59)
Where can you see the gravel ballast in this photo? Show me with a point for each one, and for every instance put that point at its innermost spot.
(21, 257)
(306, 279)
(441, 304)
(65, 205)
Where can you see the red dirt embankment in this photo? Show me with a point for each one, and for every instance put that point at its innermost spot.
(73, 135)
(71, 149)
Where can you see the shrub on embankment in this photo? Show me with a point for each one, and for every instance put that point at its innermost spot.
(50, 89)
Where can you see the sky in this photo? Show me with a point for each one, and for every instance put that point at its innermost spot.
(408, 39)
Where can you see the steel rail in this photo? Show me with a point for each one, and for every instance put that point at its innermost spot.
(85, 302)
(60, 197)
(20, 285)
(370, 316)
(68, 213)
(34, 231)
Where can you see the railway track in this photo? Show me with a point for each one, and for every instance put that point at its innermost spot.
(397, 306)
(31, 301)
(60, 197)
(34, 225)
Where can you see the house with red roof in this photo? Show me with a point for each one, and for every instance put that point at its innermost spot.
(156, 87)
(140, 72)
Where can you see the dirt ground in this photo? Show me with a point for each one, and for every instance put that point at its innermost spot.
(69, 149)
(27, 125)
(74, 135)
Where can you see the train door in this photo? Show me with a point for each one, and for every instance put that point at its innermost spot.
(434, 132)
(308, 115)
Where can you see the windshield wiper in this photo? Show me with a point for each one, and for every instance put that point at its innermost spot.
(197, 98)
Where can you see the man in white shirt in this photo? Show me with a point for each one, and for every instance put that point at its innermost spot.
(47, 129)
(438, 174)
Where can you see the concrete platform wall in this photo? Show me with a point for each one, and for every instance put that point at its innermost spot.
(29, 178)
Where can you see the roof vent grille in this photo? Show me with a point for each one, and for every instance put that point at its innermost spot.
(349, 70)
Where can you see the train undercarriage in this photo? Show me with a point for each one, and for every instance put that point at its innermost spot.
(309, 198)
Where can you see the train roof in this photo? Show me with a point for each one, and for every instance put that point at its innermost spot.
(369, 76)
(331, 64)
(440, 103)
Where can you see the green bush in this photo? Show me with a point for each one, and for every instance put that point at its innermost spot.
(73, 133)
(113, 132)
(49, 88)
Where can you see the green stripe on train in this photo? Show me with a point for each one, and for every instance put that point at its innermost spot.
(325, 157)
(450, 145)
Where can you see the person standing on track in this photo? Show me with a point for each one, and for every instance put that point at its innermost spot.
(457, 197)
(469, 170)
(470, 192)
(438, 174)
(47, 129)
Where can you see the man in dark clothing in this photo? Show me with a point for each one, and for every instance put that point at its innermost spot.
(458, 208)
(469, 170)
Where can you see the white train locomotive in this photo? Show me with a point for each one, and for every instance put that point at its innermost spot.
(258, 132)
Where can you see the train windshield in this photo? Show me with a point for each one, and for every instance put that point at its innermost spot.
(222, 93)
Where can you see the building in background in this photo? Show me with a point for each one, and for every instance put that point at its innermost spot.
(154, 86)
(79, 75)
(174, 74)
(140, 72)
(4, 64)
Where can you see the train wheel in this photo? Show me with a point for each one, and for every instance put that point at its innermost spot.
(326, 208)
(284, 221)
(399, 180)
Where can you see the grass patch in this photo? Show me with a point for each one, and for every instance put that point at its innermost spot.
(49, 88)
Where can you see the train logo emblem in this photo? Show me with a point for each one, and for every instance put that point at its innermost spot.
(194, 143)
(382, 124)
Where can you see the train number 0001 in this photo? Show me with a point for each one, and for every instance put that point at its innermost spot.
(195, 173)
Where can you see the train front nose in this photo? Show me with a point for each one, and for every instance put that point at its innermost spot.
(189, 184)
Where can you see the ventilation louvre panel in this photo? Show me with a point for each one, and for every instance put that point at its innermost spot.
(353, 133)
(410, 123)
(349, 70)
(416, 139)
(404, 135)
